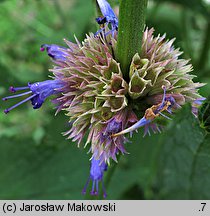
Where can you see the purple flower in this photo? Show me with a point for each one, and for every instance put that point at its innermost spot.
(96, 175)
(114, 125)
(109, 17)
(142, 122)
(154, 127)
(195, 105)
(56, 52)
(104, 144)
(150, 114)
(100, 103)
(37, 92)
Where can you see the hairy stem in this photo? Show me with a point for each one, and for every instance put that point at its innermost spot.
(131, 27)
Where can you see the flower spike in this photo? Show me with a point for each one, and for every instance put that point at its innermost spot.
(100, 103)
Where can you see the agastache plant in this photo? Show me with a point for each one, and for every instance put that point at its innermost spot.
(89, 86)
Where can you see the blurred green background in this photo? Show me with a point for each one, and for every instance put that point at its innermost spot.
(37, 162)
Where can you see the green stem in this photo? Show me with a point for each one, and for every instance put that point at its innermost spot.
(205, 50)
(131, 27)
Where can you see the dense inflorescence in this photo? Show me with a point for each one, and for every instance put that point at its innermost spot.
(91, 90)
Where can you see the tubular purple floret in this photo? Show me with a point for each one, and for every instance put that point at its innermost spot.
(146, 121)
(196, 104)
(109, 17)
(199, 101)
(113, 126)
(106, 9)
(57, 53)
(96, 175)
(142, 122)
(39, 91)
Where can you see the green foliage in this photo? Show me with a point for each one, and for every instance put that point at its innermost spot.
(204, 115)
(184, 168)
(51, 170)
(36, 162)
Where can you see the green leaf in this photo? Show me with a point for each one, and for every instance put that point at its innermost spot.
(184, 163)
(200, 181)
(55, 169)
(204, 115)
(137, 169)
